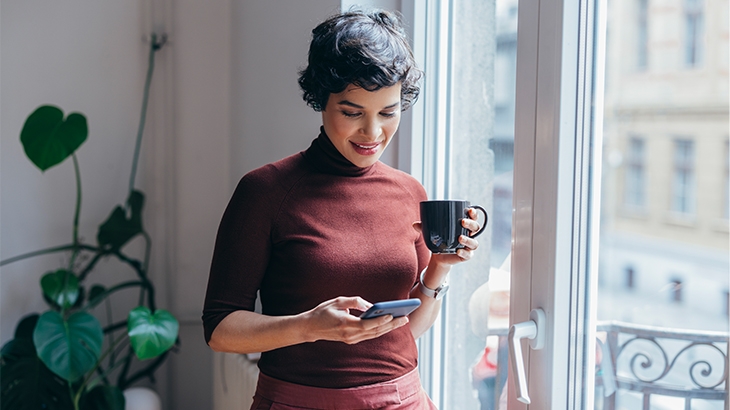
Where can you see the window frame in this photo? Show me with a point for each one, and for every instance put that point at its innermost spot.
(558, 43)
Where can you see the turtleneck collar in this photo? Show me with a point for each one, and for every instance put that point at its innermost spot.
(324, 156)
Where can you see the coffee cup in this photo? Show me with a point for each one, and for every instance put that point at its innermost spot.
(441, 224)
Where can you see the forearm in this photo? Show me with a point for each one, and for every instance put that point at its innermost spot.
(423, 318)
(249, 332)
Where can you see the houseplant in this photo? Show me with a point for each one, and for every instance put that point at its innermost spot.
(64, 358)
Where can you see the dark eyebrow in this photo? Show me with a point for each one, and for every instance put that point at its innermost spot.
(352, 104)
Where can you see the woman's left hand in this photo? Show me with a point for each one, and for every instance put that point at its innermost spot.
(470, 244)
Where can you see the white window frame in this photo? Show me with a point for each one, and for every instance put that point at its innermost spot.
(555, 118)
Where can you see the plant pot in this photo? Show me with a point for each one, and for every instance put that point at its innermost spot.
(141, 398)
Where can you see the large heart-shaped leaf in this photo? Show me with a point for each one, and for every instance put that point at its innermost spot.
(151, 335)
(61, 287)
(26, 383)
(119, 228)
(48, 139)
(70, 348)
(103, 398)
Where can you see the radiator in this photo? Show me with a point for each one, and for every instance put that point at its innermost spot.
(234, 381)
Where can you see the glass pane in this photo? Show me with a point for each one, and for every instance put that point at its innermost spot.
(663, 267)
(481, 146)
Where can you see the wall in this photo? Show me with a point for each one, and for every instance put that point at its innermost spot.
(224, 101)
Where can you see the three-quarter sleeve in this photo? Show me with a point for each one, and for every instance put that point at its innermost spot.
(241, 252)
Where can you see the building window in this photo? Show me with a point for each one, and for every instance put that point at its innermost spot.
(683, 182)
(694, 27)
(630, 277)
(635, 185)
(676, 290)
(726, 185)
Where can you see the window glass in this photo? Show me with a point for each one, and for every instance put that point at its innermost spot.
(477, 50)
(664, 344)
(635, 184)
(683, 186)
(694, 21)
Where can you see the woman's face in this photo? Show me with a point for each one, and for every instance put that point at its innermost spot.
(361, 123)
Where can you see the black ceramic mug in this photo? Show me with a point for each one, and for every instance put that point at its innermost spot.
(441, 224)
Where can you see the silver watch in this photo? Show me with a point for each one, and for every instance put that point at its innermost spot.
(437, 293)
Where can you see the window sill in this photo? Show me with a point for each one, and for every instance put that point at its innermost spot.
(683, 220)
(721, 225)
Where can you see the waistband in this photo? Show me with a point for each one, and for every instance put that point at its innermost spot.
(377, 395)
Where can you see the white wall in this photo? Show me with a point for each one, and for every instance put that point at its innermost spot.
(270, 44)
(224, 100)
(83, 56)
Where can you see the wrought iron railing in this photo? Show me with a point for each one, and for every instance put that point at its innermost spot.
(644, 362)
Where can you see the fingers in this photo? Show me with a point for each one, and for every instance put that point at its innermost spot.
(372, 328)
(354, 302)
(471, 223)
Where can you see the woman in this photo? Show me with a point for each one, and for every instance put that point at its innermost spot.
(329, 231)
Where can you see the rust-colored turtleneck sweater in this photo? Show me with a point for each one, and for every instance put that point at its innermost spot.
(309, 228)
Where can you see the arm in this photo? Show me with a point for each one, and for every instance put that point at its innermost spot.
(247, 332)
(438, 269)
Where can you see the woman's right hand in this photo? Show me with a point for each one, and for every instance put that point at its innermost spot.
(332, 320)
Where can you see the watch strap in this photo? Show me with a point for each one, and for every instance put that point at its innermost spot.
(437, 293)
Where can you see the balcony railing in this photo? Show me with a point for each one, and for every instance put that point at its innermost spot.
(645, 367)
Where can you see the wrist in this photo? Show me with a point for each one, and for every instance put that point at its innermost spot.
(434, 275)
(433, 291)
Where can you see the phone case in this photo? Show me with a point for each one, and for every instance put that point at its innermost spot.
(397, 308)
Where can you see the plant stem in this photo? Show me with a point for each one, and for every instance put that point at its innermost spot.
(154, 46)
(145, 266)
(77, 397)
(37, 253)
(76, 214)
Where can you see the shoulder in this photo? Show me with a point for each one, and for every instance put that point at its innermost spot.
(264, 188)
(404, 179)
(281, 174)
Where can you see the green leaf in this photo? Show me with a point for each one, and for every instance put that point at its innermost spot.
(70, 348)
(48, 139)
(24, 329)
(61, 287)
(151, 335)
(96, 292)
(104, 398)
(26, 383)
(118, 229)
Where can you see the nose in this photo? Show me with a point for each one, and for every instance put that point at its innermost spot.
(371, 128)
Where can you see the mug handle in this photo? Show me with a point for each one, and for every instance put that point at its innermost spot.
(486, 219)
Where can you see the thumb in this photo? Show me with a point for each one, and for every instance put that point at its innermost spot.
(417, 226)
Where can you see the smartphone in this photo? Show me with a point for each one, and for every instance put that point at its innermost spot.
(397, 308)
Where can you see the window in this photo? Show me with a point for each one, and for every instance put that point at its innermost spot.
(693, 32)
(675, 290)
(726, 307)
(634, 195)
(630, 278)
(683, 182)
(560, 260)
(726, 185)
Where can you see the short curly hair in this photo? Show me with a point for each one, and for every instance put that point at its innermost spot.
(368, 49)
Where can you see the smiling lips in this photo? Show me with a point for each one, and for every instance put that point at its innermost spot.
(366, 149)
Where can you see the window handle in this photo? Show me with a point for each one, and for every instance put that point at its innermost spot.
(533, 329)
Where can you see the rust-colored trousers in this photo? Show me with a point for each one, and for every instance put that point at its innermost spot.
(403, 393)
